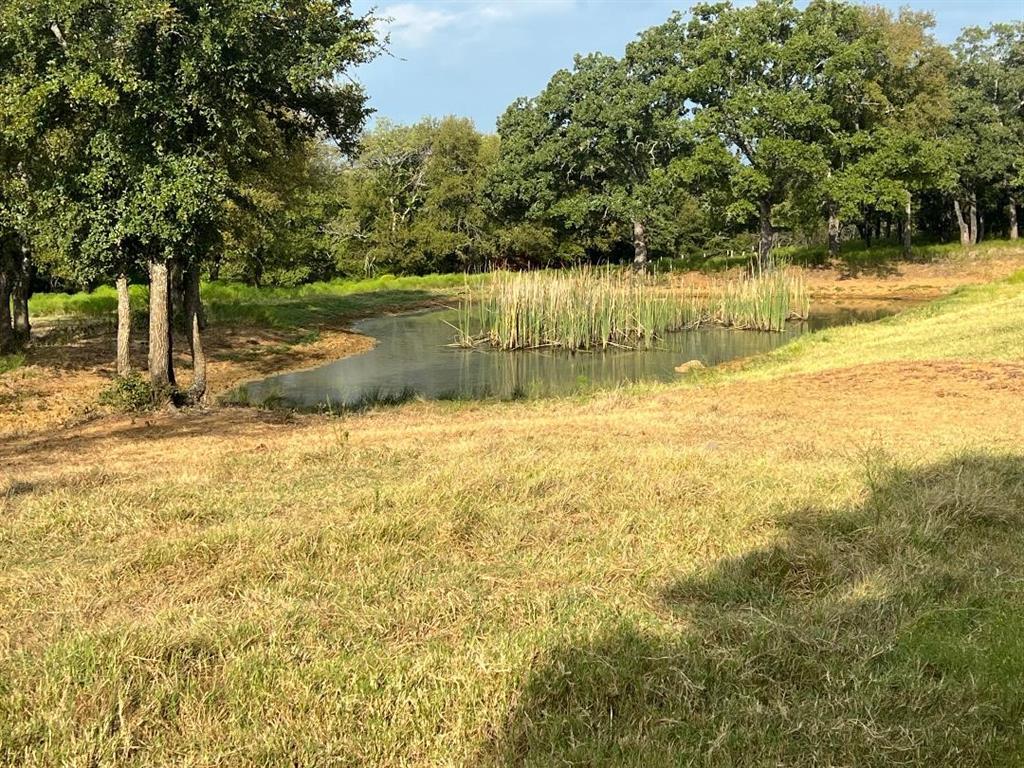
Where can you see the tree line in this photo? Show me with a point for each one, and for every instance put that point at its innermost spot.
(727, 128)
(169, 140)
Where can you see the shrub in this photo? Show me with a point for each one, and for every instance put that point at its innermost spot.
(129, 393)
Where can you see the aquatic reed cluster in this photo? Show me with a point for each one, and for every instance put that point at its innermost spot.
(596, 308)
(763, 301)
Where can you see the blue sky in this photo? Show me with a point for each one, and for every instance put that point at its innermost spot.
(474, 57)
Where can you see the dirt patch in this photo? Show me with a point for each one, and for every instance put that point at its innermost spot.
(60, 383)
(899, 281)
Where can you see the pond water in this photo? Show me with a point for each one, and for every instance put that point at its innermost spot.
(412, 358)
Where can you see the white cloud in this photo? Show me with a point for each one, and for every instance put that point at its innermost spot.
(415, 23)
(517, 8)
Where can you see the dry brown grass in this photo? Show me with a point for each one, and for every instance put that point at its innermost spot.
(393, 588)
(810, 568)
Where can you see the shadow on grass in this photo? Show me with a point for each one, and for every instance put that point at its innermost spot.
(86, 342)
(890, 633)
(148, 427)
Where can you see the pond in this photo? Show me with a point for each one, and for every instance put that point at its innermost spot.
(413, 358)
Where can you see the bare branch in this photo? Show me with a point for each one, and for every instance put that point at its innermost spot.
(55, 28)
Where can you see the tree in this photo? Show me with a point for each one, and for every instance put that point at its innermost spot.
(197, 94)
(987, 129)
(452, 229)
(591, 151)
(383, 191)
(846, 84)
(27, 120)
(412, 199)
(884, 82)
(279, 214)
(751, 73)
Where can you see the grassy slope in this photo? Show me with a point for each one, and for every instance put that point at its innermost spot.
(979, 322)
(277, 307)
(780, 571)
(854, 258)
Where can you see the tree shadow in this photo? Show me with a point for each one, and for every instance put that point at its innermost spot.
(866, 264)
(262, 333)
(19, 452)
(888, 633)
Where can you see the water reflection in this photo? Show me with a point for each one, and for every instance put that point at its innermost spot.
(412, 358)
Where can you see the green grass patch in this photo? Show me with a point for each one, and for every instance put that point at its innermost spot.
(982, 322)
(10, 363)
(276, 307)
(101, 302)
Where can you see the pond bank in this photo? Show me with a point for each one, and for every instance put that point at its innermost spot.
(59, 383)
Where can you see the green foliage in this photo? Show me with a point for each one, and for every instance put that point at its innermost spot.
(131, 393)
(135, 131)
(986, 133)
(412, 199)
(162, 113)
(590, 157)
(277, 229)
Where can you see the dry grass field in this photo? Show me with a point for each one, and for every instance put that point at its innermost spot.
(816, 558)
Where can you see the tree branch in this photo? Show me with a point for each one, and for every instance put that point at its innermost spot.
(55, 28)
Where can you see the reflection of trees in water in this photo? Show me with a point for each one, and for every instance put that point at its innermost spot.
(413, 354)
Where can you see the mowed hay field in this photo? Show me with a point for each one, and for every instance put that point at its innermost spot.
(817, 559)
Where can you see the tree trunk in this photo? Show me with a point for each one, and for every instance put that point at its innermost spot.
(170, 326)
(639, 246)
(972, 208)
(161, 366)
(124, 327)
(21, 290)
(176, 286)
(878, 226)
(766, 241)
(7, 339)
(834, 230)
(907, 229)
(865, 233)
(193, 318)
(965, 229)
(1014, 234)
(981, 227)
